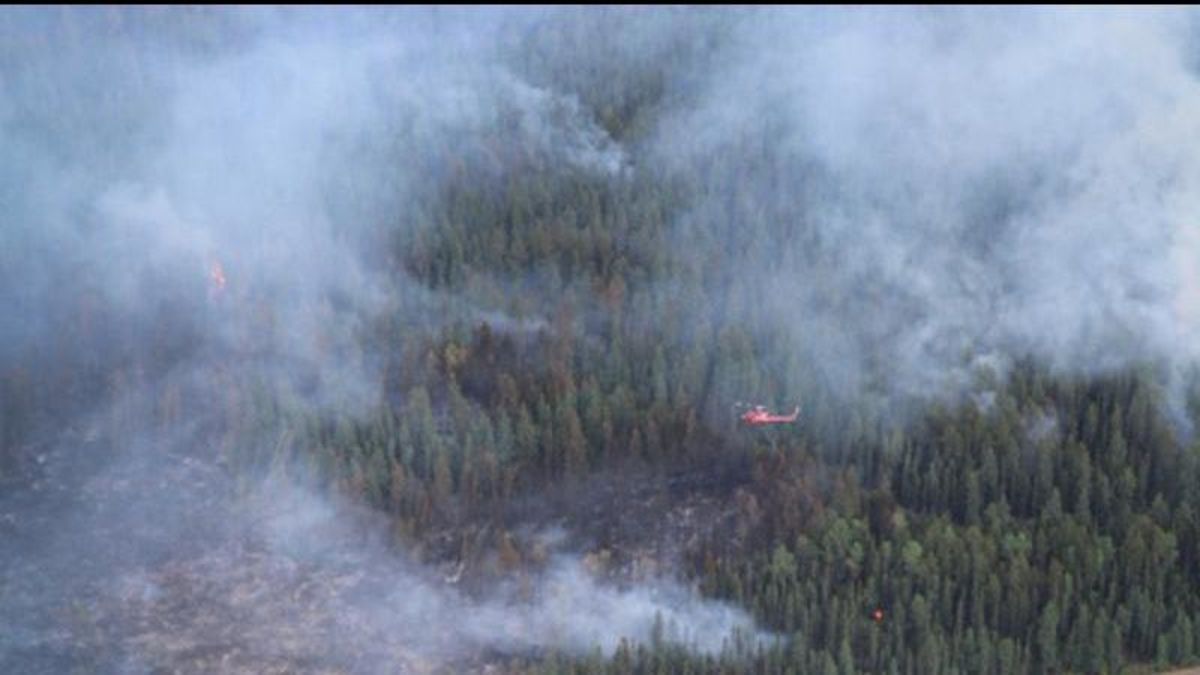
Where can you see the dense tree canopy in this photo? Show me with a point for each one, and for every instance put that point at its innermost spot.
(589, 321)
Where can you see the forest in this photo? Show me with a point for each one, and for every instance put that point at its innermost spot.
(520, 271)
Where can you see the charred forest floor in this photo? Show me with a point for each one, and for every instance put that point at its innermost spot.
(143, 559)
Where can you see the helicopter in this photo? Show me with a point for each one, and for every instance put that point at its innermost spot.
(758, 415)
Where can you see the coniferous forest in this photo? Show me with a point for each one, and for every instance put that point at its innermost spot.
(486, 290)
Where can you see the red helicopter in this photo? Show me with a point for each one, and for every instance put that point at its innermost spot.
(758, 416)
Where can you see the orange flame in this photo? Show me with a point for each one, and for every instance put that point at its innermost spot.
(217, 274)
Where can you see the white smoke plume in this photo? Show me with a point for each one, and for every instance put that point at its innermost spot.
(951, 184)
(266, 149)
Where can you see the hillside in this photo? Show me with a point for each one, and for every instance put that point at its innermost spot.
(415, 340)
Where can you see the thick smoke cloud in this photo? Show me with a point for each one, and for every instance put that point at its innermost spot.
(184, 211)
(956, 187)
(907, 195)
(278, 154)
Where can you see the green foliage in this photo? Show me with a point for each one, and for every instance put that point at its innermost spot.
(1057, 530)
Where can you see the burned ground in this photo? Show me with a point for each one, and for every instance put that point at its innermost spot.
(126, 560)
